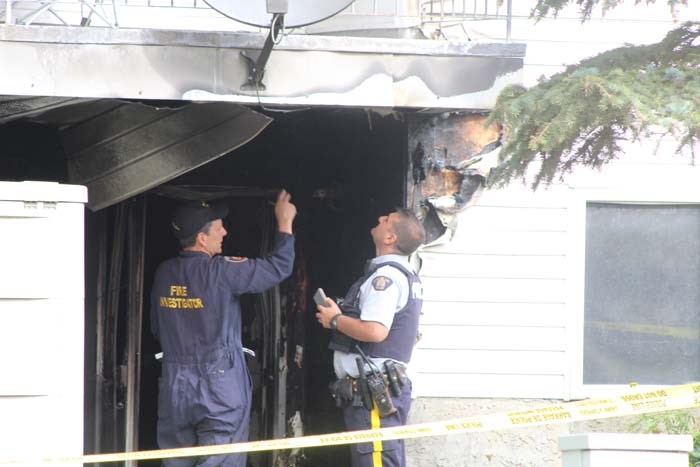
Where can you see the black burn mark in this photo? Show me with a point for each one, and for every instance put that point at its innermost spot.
(418, 161)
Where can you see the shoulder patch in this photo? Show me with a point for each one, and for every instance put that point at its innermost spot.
(235, 259)
(381, 283)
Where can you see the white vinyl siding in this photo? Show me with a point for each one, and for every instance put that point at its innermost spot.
(494, 322)
(503, 310)
(509, 290)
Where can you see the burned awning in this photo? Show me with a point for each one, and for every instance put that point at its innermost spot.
(119, 148)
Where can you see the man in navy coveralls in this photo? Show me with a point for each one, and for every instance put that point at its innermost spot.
(380, 313)
(205, 389)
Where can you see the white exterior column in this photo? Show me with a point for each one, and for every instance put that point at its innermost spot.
(41, 321)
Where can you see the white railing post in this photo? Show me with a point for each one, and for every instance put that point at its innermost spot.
(477, 10)
(8, 12)
(509, 19)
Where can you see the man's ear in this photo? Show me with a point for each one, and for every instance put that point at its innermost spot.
(199, 239)
(390, 238)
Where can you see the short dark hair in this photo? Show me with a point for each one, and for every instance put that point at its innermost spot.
(409, 231)
(192, 239)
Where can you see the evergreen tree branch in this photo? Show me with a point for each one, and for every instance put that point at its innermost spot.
(552, 7)
(582, 115)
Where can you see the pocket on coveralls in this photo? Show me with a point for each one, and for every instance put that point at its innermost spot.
(227, 384)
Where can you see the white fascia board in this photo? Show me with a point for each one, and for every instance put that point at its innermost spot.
(302, 70)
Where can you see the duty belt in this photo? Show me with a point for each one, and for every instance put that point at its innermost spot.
(371, 388)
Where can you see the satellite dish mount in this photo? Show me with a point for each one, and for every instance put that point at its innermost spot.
(258, 59)
(276, 15)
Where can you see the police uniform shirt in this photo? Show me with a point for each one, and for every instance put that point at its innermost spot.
(383, 294)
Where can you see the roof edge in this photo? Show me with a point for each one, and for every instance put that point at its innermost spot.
(249, 40)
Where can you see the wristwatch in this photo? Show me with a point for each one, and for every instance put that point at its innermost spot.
(333, 323)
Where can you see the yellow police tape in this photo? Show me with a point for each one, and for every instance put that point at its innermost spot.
(630, 403)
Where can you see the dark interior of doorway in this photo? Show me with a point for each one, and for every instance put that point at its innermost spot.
(344, 168)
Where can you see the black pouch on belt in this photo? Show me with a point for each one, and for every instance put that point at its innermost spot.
(392, 376)
(401, 374)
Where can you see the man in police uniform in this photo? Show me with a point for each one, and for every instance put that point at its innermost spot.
(380, 314)
(205, 389)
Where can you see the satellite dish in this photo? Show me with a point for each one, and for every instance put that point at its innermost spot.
(300, 12)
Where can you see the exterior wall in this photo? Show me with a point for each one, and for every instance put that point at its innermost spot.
(494, 322)
(504, 313)
(503, 320)
(503, 316)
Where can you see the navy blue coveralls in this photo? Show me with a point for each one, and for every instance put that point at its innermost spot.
(397, 346)
(205, 389)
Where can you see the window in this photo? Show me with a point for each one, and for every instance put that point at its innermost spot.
(641, 293)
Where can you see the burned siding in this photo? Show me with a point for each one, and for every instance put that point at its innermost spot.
(451, 155)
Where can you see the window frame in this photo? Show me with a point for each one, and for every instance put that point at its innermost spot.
(680, 194)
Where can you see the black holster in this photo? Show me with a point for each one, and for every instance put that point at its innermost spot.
(392, 376)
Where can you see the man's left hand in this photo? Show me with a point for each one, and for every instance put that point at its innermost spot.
(325, 313)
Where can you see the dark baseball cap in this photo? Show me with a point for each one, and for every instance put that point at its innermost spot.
(190, 216)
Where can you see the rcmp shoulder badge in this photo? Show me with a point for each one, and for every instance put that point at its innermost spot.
(381, 283)
(235, 259)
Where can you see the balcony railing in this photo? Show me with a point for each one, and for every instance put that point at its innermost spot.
(142, 13)
(463, 10)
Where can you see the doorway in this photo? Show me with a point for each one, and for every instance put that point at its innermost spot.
(344, 168)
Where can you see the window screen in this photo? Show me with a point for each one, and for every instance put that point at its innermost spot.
(642, 294)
